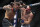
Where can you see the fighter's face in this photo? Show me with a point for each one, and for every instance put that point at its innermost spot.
(28, 9)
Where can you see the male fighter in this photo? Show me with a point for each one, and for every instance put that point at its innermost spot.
(26, 16)
(9, 15)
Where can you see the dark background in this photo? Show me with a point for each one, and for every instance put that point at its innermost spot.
(36, 19)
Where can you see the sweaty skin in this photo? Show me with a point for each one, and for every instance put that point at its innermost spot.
(27, 17)
(9, 13)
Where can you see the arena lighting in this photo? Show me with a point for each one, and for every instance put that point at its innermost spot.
(35, 4)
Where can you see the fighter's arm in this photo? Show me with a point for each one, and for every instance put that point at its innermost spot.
(29, 19)
(22, 13)
(6, 7)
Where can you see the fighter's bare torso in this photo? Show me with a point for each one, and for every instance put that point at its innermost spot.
(26, 16)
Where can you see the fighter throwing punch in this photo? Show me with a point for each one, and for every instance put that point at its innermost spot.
(26, 16)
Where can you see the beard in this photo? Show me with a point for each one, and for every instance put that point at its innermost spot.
(27, 12)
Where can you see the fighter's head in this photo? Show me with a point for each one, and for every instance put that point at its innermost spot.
(12, 4)
(22, 3)
(28, 9)
(17, 4)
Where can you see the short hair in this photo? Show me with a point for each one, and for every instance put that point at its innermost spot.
(21, 2)
(12, 3)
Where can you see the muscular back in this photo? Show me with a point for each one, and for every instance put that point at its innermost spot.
(9, 12)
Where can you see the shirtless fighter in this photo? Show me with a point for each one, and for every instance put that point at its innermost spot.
(26, 16)
(9, 15)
